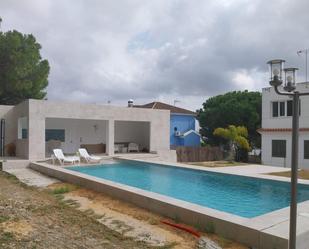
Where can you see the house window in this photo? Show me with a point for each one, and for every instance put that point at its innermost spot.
(279, 148)
(275, 109)
(283, 108)
(24, 133)
(22, 128)
(306, 149)
(55, 134)
(289, 108)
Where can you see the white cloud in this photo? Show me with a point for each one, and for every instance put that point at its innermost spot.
(103, 50)
(243, 80)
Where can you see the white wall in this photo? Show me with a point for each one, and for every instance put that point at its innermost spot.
(39, 110)
(6, 112)
(267, 149)
(11, 115)
(303, 163)
(136, 132)
(22, 124)
(78, 131)
(267, 158)
(269, 95)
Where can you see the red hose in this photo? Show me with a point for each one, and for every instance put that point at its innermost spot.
(182, 227)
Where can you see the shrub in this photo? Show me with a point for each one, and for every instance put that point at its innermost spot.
(61, 190)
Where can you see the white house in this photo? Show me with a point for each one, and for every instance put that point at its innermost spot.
(276, 130)
(31, 126)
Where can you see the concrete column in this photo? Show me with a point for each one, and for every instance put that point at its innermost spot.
(110, 137)
(160, 134)
(151, 139)
(36, 138)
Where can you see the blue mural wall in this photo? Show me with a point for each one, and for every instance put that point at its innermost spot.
(183, 123)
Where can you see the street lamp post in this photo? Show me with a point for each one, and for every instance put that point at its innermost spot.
(276, 79)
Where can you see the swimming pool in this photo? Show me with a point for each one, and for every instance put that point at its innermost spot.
(243, 196)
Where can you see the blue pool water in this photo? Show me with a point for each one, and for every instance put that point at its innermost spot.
(243, 196)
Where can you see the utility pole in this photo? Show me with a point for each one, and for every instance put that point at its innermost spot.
(305, 51)
(276, 80)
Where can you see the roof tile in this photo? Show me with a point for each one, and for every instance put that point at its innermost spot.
(163, 106)
(280, 129)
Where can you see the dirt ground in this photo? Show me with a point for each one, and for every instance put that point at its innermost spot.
(130, 220)
(137, 220)
(65, 216)
(302, 174)
(35, 219)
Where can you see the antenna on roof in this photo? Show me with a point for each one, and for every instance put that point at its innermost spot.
(306, 54)
(176, 101)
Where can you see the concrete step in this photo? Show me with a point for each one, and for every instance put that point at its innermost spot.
(15, 164)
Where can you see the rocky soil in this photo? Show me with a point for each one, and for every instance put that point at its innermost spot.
(30, 218)
(64, 216)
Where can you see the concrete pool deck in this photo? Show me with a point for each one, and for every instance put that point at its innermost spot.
(250, 170)
(266, 231)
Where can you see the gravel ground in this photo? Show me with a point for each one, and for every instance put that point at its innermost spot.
(30, 218)
(64, 216)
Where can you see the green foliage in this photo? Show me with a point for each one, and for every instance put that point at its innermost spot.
(61, 190)
(238, 108)
(6, 237)
(4, 218)
(242, 143)
(235, 134)
(23, 73)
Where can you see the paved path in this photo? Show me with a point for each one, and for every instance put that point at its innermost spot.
(31, 177)
(251, 169)
(256, 170)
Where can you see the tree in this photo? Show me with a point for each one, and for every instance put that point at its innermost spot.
(237, 137)
(23, 73)
(240, 108)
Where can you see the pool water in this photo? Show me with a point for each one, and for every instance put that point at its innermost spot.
(243, 196)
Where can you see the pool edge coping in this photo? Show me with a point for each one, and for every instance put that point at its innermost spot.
(265, 176)
(220, 216)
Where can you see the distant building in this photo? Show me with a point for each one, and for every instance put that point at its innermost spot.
(276, 128)
(182, 124)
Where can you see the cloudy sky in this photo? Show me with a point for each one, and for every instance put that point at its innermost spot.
(189, 50)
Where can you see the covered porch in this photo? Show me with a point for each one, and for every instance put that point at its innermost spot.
(72, 134)
(40, 126)
(103, 137)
